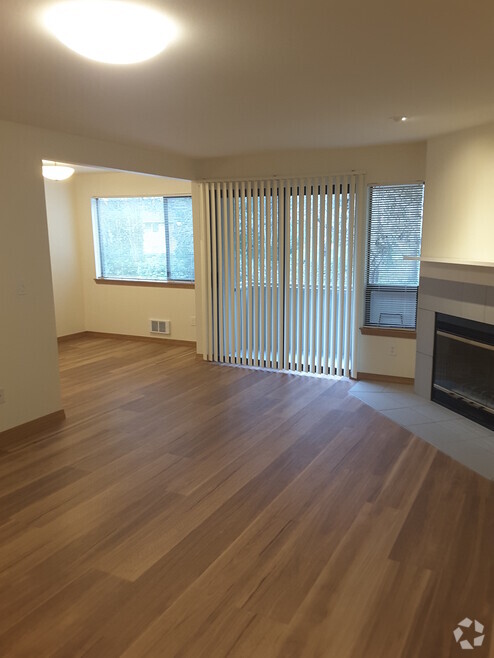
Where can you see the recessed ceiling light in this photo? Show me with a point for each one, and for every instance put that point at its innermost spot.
(110, 31)
(55, 171)
(400, 119)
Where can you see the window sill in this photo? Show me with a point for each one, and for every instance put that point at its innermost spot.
(388, 332)
(147, 284)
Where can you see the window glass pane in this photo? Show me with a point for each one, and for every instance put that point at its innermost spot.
(130, 246)
(148, 238)
(395, 231)
(181, 238)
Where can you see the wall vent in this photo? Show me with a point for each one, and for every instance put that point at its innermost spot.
(160, 327)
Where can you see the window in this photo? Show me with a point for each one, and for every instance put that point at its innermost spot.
(144, 238)
(395, 231)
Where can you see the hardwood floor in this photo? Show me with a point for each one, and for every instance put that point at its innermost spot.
(190, 509)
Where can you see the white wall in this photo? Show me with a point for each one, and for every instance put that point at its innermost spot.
(401, 163)
(65, 257)
(459, 198)
(387, 356)
(395, 163)
(28, 346)
(127, 309)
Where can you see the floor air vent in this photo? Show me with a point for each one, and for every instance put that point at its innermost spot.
(160, 327)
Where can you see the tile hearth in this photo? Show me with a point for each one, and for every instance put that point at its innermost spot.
(466, 441)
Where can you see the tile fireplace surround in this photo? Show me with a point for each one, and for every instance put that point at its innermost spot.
(464, 291)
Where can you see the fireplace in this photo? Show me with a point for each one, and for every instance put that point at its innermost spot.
(463, 367)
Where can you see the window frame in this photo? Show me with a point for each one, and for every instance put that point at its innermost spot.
(385, 330)
(161, 283)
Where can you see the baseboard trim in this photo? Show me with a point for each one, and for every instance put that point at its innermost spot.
(391, 379)
(33, 426)
(63, 339)
(154, 339)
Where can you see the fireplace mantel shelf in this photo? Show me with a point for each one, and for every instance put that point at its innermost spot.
(451, 261)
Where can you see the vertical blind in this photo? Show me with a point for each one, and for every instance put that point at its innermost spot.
(280, 273)
(395, 231)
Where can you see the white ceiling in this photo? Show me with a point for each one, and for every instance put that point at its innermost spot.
(263, 75)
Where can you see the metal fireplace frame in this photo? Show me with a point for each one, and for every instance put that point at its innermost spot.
(469, 408)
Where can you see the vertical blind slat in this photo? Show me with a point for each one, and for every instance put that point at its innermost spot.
(243, 283)
(292, 283)
(334, 278)
(238, 323)
(215, 272)
(299, 283)
(320, 295)
(327, 301)
(314, 262)
(204, 260)
(226, 278)
(348, 285)
(286, 339)
(255, 266)
(274, 328)
(262, 266)
(221, 317)
(342, 262)
(281, 270)
(250, 356)
(269, 267)
(359, 265)
(231, 268)
(207, 284)
(306, 280)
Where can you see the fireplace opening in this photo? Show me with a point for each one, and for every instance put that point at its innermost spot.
(463, 372)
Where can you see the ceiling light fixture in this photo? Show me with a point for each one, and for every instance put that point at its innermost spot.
(55, 171)
(400, 119)
(110, 31)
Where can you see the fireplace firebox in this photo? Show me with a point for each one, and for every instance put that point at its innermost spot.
(463, 368)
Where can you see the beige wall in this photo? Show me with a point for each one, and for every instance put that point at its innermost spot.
(65, 257)
(28, 345)
(401, 163)
(395, 163)
(459, 198)
(127, 309)
(387, 356)
(28, 348)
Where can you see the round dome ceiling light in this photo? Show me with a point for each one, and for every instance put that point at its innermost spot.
(54, 171)
(110, 31)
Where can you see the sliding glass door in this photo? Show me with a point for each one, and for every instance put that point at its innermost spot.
(280, 272)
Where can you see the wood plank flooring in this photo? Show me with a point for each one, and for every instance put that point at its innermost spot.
(191, 509)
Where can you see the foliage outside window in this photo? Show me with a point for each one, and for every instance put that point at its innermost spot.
(395, 231)
(295, 222)
(144, 238)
